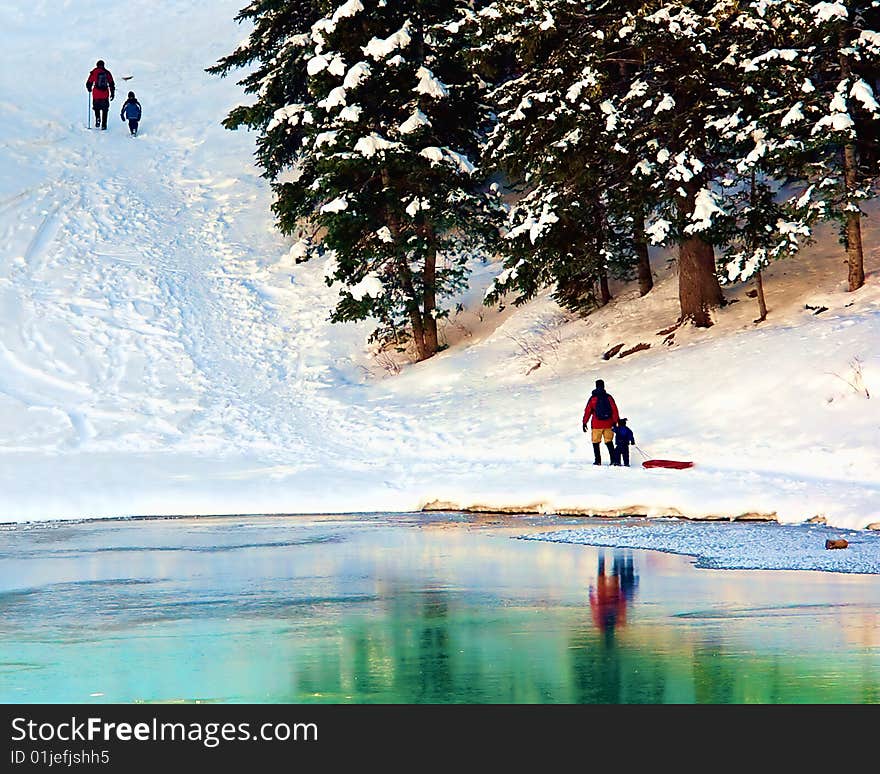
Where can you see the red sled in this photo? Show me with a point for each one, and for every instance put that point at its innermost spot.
(677, 464)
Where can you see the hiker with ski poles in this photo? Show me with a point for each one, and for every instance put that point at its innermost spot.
(101, 86)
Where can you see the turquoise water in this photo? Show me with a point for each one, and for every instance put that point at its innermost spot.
(413, 608)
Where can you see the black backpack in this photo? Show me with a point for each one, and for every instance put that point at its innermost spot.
(101, 82)
(603, 406)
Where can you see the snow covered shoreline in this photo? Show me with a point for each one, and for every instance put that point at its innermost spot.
(720, 545)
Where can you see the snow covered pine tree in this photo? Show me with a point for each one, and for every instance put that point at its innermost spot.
(840, 48)
(809, 109)
(277, 46)
(612, 113)
(372, 112)
(672, 101)
(767, 216)
(554, 68)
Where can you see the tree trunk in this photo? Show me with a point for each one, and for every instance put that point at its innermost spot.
(604, 290)
(430, 303)
(759, 277)
(762, 305)
(698, 288)
(415, 316)
(415, 319)
(424, 328)
(853, 228)
(643, 267)
(601, 268)
(854, 254)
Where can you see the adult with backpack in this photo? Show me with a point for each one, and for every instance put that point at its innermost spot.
(601, 413)
(131, 112)
(101, 86)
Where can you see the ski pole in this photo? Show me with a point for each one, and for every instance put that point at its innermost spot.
(88, 109)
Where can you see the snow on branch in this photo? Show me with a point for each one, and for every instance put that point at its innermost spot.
(439, 155)
(370, 285)
(864, 94)
(339, 204)
(416, 121)
(379, 48)
(356, 75)
(827, 11)
(430, 85)
(289, 114)
(705, 209)
(372, 144)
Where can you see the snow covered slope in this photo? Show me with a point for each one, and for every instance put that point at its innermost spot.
(161, 354)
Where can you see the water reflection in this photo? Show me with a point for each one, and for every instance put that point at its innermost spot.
(610, 594)
(390, 612)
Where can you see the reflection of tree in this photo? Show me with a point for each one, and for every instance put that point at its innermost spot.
(432, 646)
(723, 675)
(621, 674)
(403, 654)
(434, 672)
(595, 671)
(870, 680)
(440, 646)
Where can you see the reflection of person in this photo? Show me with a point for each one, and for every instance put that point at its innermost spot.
(607, 601)
(622, 567)
(611, 593)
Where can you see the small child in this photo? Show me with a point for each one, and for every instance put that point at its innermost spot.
(131, 111)
(623, 437)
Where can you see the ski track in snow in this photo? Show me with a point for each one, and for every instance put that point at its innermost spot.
(134, 307)
(160, 315)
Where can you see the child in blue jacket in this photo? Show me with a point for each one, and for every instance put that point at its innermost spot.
(623, 438)
(131, 112)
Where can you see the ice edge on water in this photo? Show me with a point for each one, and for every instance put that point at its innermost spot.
(724, 546)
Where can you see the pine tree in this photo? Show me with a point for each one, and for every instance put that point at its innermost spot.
(555, 141)
(810, 104)
(767, 216)
(379, 150)
(842, 47)
(674, 99)
(279, 46)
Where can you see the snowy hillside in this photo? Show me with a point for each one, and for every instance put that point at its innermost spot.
(160, 353)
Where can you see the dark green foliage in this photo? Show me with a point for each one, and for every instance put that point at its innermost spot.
(569, 230)
(725, 128)
(376, 122)
(278, 76)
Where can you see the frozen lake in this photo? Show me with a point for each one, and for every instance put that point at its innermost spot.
(413, 608)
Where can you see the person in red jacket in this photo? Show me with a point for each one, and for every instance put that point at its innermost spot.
(601, 412)
(101, 86)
